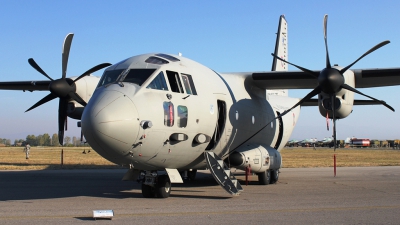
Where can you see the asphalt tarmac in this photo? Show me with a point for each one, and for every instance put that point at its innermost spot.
(368, 195)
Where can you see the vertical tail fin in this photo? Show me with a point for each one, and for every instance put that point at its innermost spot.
(281, 50)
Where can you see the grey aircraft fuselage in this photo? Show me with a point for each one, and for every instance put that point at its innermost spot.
(153, 113)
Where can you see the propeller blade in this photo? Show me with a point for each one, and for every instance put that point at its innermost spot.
(66, 123)
(334, 120)
(92, 70)
(77, 98)
(61, 137)
(47, 98)
(383, 43)
(65, 53)
(37, 67)
(328, 63)
(315, 74)
(313, 93)
(345, 86)
(62, 114)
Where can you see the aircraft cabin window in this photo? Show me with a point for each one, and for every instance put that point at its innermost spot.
(159, 83)
(174, 81)
(168, 114)
(182, 116)
(109, 76)
(138, 76)
(189, 85)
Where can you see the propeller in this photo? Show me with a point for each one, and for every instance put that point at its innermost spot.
(63, 88)
(331, 80)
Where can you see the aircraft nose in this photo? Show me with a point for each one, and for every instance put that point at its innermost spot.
(110, 124)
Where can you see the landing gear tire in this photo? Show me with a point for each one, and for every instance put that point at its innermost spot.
(274, 176)
(148, 191)
(163, 187)
(264, 178)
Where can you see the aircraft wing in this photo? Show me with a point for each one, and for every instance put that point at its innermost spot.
(364, 78)
(314, 102)
(25, 85)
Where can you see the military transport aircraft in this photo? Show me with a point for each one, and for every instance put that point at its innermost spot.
(165, 116)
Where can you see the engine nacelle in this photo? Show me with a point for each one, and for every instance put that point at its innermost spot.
(84, 88)
(343, 102)
(75, 110)
(256, 156)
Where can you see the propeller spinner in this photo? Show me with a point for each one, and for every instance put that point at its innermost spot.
(63, 88)
(331, 80)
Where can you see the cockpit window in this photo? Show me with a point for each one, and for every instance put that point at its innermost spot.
(159, 83)
(156, 60)
(109, 76)
(189, 85)
(169, 57)
(174, 81)
(137, 76)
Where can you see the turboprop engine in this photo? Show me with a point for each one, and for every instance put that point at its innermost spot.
(331, 82)
(84, 88)
(258, 157)
(344, 99)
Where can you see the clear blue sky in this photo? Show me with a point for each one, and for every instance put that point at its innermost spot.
(227, 36)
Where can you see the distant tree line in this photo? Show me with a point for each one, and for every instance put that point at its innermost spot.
(43, 140)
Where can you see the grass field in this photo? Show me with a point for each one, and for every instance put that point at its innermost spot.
(345, 157)
(13, 158)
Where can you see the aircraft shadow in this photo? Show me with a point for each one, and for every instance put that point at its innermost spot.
(102, 183)
(48, 184)
(47, 166)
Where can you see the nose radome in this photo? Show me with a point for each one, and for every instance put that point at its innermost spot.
(110, 123)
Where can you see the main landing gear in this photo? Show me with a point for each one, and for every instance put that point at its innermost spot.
(268, 177)
(154, 185)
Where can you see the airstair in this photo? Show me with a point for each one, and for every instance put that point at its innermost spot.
(222, 174)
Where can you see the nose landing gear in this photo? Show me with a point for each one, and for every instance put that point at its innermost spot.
(155, 185)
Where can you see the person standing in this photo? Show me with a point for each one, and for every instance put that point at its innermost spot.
(27, 149)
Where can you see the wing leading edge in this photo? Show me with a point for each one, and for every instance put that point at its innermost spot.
(25, 85)
(314, 102)
(364, 78)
